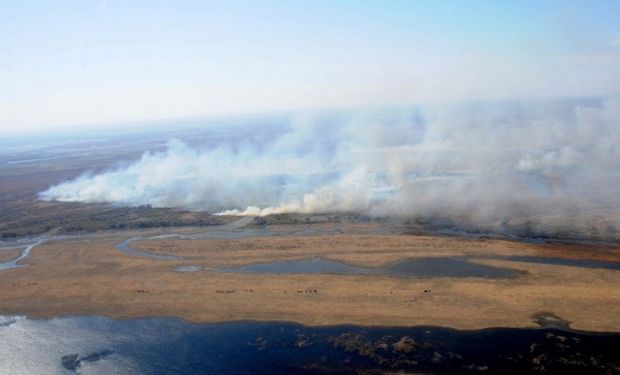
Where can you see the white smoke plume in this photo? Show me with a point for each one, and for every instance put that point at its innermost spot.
(483, 166)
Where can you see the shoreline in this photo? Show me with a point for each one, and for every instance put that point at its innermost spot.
(534, 327)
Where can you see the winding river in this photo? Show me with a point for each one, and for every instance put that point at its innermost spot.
(425, 267)
(23, 255)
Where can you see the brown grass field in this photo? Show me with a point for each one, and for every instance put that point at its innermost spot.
(88, 275)
(7, 255)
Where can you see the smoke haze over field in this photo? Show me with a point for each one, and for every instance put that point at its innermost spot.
(550, 166)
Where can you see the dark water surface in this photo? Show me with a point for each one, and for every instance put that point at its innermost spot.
(583, 263)
(97, 345)
(423, 267)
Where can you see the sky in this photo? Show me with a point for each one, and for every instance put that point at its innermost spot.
(90, 64)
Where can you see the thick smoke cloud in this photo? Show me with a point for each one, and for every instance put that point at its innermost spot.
(545, 167)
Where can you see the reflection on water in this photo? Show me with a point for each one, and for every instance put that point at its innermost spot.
(188, 268)
(97, 345)
(423, 267)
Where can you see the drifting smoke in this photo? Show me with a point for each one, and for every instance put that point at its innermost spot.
(548, 165)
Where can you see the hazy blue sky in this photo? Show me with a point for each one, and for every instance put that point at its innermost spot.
(89, 63)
